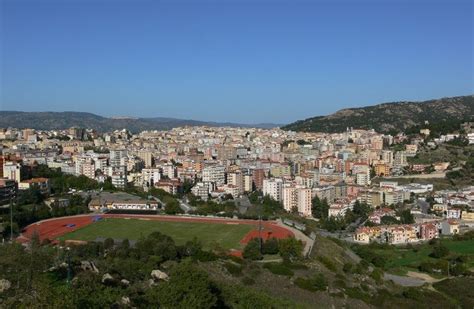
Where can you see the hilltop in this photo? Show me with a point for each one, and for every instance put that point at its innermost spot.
(64, 120)
(390, 117)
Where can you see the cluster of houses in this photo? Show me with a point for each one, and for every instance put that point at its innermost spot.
(408, 233)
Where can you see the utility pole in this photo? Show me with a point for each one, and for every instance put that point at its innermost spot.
(11, 215)
(69, 273)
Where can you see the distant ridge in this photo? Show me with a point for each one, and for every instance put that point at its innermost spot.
(64, 120)
(390, 117)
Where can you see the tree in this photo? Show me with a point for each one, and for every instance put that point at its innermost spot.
(188, 287)
(439, 251)
(290, 249)
(109, 243)
(252, 250)
(270, 246)
(388, 220)
(172, 206)
(320, 209)
(406, 217)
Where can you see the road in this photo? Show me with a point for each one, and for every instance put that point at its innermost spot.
(308, 242)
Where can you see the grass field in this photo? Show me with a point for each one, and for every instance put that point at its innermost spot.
(399, 260)
(228, 236)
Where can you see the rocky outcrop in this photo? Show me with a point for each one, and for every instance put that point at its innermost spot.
(159, 275)
(5, 285)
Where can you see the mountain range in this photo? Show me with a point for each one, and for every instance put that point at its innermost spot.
(64, 120)
(391, 117)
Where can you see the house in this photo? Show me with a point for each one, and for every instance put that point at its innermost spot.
(450, 227)
(41, 183)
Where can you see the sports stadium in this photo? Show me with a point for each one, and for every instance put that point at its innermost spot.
(229, 234)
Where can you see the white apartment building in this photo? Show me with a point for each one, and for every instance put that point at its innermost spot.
(362, 179)
(119, 180)
(150, 176)
(214, 173)
(248, 185)
(169, 170)
(273, 188)
(12, 170)
(236, 179)
(202, 190)
(400, 158)
(117, 157)
(297, 197)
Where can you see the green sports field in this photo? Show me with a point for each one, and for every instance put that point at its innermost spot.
(228, 236)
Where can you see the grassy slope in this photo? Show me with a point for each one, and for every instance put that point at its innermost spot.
(226, 235)
(401, 259)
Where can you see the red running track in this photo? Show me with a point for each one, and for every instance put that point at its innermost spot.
(56, 227)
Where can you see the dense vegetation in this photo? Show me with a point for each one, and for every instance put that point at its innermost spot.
(65, 120)
(392, 117)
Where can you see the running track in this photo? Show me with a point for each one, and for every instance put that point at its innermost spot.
(53, 228)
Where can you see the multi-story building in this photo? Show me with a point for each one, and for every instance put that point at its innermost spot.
(273, 188)
(214, 173)
(8, 190)
(299, 198)
(150, 176)
(12, 170)
(257, 178)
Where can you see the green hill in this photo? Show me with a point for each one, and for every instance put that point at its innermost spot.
(65, 120)
(390, 117)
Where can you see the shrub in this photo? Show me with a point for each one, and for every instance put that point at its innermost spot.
(327, 262)
(233, 269)
(348, 267)
(315, 283)
(248, 281)
(377, 275)
(439, 251)
(279, 269)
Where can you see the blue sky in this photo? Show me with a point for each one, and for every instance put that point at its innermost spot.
(240, 61)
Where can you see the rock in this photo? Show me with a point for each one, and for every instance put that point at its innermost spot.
(125, 300)
(125, 282)
(4, 285)
(89, 266)
(107, 278)
(159, 275)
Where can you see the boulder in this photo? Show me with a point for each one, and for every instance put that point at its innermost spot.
(107, 278)
(4, 285)
(89, 266)
(125, 282)
(159, 275)
(125, 301)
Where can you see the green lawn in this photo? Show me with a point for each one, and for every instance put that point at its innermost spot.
(399, 260)
(227, 236)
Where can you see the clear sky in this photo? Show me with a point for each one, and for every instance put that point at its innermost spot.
(241, 61)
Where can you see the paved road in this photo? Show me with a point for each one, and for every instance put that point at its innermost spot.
(308, 242)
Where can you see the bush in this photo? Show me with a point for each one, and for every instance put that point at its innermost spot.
(348, 267)
(270, 246)
(315, 283)
(279, 269)
(327, 262)
(377, 275)
(252, 250)
(233, 269)
(439, 251)
(248, 281)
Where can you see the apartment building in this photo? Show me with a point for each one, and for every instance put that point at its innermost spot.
(273, 188)
(214, 173)
(296, 197)
(12, 170)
